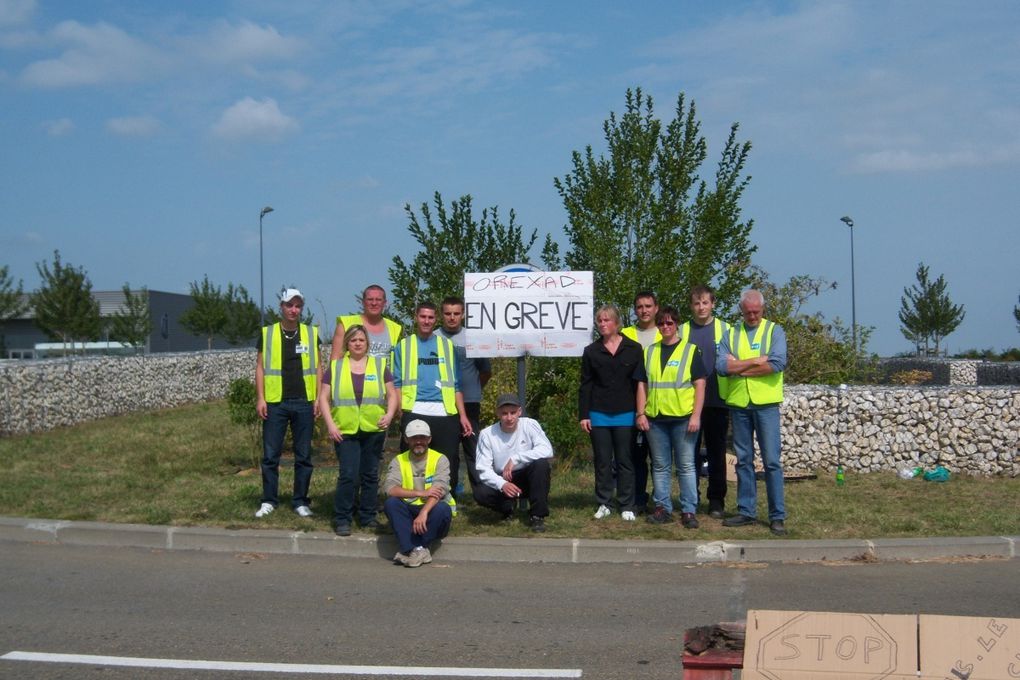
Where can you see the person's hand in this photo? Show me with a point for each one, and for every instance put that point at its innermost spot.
(694, 424)
(435, 492)
(465, 427)
(315, 408)
(642, 422)
(508, 470)
(586, 425)
(511, 490)
(420, 522)
(262, 408)
(385, 421)
(334, 432)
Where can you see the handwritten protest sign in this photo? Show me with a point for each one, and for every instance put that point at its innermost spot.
(509, 314)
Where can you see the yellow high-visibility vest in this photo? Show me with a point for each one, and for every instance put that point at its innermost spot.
(720, 328)
(631, 332)
(760, 390)
(408, 349)
(348, 415)
(670, 390)
(272, 360)
(393, 328)
(407, 477)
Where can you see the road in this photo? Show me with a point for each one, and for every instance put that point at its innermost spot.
(603, 620)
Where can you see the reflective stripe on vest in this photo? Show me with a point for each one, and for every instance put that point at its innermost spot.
(272, 360)
(720, 328)
(760, 390)
(407, 477)
(670, 390)
(408, 348)
(347, 414)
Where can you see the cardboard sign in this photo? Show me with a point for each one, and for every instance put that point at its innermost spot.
(509, 314)
(801, 645)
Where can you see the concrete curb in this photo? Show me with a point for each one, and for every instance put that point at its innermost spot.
(470, 549)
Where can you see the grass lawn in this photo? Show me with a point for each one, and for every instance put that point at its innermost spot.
(190, 466)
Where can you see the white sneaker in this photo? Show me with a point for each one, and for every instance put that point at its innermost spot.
(265, 509)
(418, 557)
(603, 512)
(627, 516)
(303, 510)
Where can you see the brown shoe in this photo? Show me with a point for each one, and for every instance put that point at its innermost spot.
(689, 520)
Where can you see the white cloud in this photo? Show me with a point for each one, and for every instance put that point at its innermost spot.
(59, 127)
(133, 126)
(246, 43)
(94, 54)
(15, 11)
(258, 120)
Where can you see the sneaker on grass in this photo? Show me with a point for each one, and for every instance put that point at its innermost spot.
(603, 512)
(303, 511)
(265, 509)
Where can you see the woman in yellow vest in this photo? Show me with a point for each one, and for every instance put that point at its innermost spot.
(669, 410)
(357, 402)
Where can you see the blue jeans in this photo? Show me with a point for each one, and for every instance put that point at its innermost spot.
(762, 423)
(358, 455)
(402, 514)
(672, 445)
(299, 415)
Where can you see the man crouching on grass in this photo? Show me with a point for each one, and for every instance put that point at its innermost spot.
(419, 503)
(512, 459)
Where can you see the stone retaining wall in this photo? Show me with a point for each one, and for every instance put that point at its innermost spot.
(967, 429)
(956, 371)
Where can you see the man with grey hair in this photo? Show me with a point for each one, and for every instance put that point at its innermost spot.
(753, 355)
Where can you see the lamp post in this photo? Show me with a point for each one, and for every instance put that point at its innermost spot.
(262, 289)
(853, 286)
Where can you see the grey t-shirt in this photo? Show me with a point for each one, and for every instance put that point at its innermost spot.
(470, 383)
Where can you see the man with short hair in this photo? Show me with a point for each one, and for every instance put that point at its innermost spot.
(383, 333)
(753, 355)
(419, 505)
(427, 375)
(644, 331)
(474, 374)
(286, 380)
(513, 461)
(706, 332)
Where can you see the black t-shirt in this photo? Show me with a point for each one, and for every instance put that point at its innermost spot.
(290, 369)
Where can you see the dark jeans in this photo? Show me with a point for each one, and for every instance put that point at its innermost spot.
(534, 482)
(609, 446)
(402, 516)
(358, 455)
(640, 453)
(473, 410)
(298, 414)
(445, 439)
(714, 422)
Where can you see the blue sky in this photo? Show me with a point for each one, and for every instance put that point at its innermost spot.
(141, 139)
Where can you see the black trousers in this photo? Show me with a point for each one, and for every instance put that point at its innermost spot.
(534, 482)
(445, 439)
(473, 410)
(714, 422)
(640, 453)
(611, 446)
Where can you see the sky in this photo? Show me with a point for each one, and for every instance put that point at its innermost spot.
(142, 139)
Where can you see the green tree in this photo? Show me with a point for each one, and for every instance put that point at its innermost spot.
(132, 323)
(817, 350)
(927, 314)
(451, 243)
(642, 217)
(242, 315)
(11, 302)
(64, 307)
(208, 315)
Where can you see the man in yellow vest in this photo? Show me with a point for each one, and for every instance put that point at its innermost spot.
(419, 505)
(427, 375)
(383, 333)
(753, 355)
(286, 379)
(644, 331)
(706, 332)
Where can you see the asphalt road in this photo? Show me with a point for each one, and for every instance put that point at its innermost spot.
(604, 620)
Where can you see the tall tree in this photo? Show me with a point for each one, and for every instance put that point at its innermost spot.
(132, 323)
(927, 314)
(643, 218)
(242, 315)
(208, 315)
(11, 302)
(453, 242)
(64, 307)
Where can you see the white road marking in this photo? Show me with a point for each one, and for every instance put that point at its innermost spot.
(312, 669)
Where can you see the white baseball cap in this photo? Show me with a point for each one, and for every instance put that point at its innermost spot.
(417, 428)
(291, 293)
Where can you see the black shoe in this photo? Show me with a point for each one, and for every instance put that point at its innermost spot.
(507, 518)
(689, 520)
(343, 529)
(538, 524)
(660, 516)
(370, 524)
(739, 521)
(777, 527)
(715, 509)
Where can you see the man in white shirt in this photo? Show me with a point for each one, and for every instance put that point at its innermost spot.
(512, 460)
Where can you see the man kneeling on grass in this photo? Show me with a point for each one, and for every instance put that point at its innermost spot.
(512, 459)
(419, 506)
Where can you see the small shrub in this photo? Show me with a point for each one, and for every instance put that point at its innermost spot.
(241, 400)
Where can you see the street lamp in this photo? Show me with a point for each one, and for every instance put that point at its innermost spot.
(262, 289)
(853, 287)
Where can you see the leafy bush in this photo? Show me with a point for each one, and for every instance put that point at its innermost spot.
(241, 398)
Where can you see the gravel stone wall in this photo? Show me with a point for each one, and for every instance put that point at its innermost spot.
(956, 371)
(974, 430)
